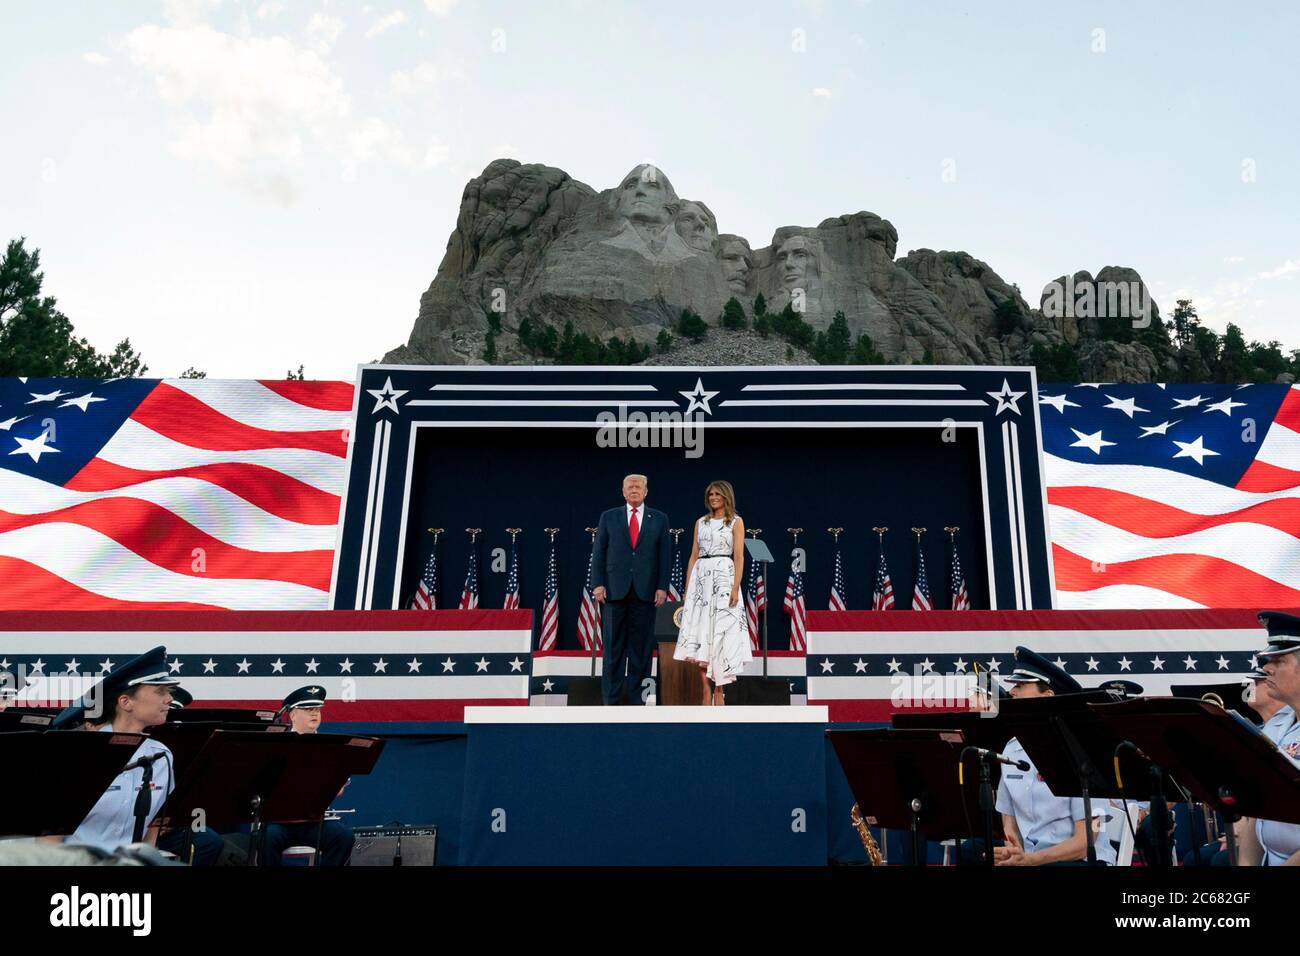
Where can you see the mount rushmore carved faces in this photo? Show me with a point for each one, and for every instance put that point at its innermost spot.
(697, 226)
(737, 261)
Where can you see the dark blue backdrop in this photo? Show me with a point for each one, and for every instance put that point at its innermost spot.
(813, 478)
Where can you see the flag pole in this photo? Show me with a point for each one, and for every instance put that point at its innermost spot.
(762, 570)
(599, 609)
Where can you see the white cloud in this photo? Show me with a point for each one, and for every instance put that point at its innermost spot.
(95, 59)
(396, 18)
(270, 10)
(408, 82)
(254, 106)
(436, 154)
(184, 13)
(1290, 267)
(822, 92)
(322, 31)
(440, 8)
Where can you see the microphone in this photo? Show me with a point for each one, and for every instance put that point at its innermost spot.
(146, 761)
(1000, 758)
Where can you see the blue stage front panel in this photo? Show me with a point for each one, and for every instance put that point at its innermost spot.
(645, 795)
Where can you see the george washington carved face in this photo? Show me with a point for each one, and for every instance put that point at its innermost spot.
(645, 196)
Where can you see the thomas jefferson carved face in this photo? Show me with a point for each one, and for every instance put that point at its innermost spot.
(696, 225)
(736, 262)
(645, 196)
(798, 263)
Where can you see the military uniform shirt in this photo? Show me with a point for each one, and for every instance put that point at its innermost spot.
(1044, 820)
(111, 821)
(1281, 840)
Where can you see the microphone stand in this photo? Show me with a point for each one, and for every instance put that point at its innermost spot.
(143, 801)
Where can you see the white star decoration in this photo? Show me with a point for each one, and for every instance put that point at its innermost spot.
(175, 666)
(449, 666)
(1092, 663)
(1194, 449)
(381, 666)
(345, 666)
(312, 666)
(9, 423)
(827, 666)
(209, 666)
(893, 666)
(699, 398)
(277, 666)
(859, 666)
(82, 401)
(73, 665)
(38, 666)
(106, 665)
(1188, 402)
(1157, 664)
(481, 664)
(53, 396)
(1161, 429)
(1222, 662)
(960, 665)
(548, 685)
(1126, 405)
(1094, 442)
(1007, 399)
(1189, 663)
(1125, 664)
(34, 447)
(517, 665)
(413, 666)
(244, 665)
(386, 397)
(1226, 406)
(1058, 402)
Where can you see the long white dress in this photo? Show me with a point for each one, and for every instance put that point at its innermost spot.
(713, 632)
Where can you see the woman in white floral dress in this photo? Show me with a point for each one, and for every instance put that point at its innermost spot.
(713, 633)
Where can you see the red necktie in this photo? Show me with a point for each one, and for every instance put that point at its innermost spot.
(633, 528)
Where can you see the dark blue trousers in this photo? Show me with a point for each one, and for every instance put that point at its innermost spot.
(628, 625)
(334, 849)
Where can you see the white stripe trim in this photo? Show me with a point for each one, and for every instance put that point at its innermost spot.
(646, 715)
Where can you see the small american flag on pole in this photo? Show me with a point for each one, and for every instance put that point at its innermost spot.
(751, 608)
(795, 605)
(589, 614)
(426, 592)
(960, 596)
(469, 594)
(550, 607)
(921, 593)
(512, 581)
(837, 602)
(882, 594)
(677, 581)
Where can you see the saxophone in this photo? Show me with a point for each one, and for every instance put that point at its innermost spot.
(868, 841)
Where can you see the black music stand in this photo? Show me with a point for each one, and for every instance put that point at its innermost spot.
(16, 721)
(83, 763)
(908, 780)
(220, 715)
(1217, 755)
(258, 778)
(185, 740)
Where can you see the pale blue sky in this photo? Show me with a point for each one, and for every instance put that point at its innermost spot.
(246, 186)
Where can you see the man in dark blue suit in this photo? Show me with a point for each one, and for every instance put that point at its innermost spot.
(629, 576)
